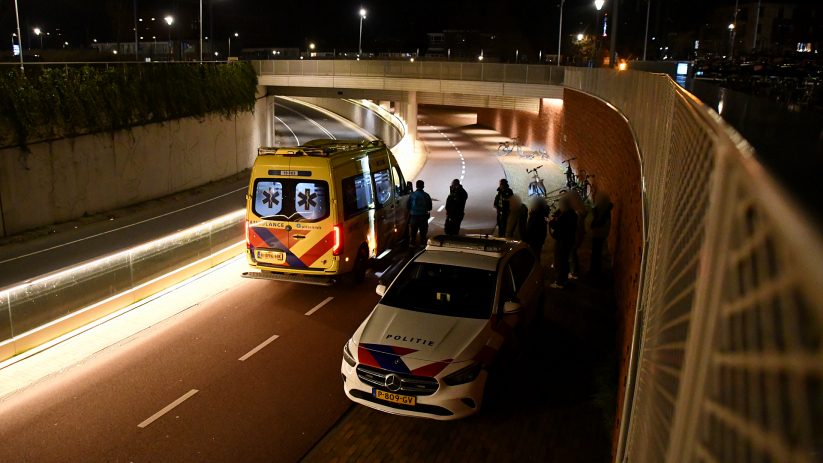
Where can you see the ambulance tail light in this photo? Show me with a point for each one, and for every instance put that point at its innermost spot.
(338, 241)
(248, 243)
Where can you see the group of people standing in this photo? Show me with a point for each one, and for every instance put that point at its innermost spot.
(531, 224)
(567, 226)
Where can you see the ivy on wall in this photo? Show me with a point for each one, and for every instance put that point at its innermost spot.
(53, 102)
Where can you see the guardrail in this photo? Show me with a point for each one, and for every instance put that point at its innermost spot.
(728, 332)
(37, 311)
(481, 72)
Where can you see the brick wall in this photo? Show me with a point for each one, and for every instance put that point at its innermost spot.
(601, 140)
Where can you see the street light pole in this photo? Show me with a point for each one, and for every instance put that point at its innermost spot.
(38, 33)
(362, 17)
(734, 27)
(229, 55)
(646, 39)
(136, 46)
(201, 31)
(19, 37)
(560, 31)
(612, 53)
(169, 20)
(599, 5)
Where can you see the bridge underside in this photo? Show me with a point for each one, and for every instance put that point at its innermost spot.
(402, 96)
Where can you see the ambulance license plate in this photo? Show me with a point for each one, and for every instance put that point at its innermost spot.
(396, 398)
(271, 256)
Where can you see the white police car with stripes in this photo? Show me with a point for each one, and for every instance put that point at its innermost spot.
(453, 314)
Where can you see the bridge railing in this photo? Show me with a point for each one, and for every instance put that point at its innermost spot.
(726, 358)
(480, 72)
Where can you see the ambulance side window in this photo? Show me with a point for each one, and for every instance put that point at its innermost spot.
(382, 186)
(357, 195)
(399, 182)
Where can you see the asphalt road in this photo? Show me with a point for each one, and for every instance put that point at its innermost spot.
(272, 406)
(143, 223)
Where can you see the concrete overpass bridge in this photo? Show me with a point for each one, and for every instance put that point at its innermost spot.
(717, 268)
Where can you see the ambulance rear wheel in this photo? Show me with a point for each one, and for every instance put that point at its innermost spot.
(360, 265)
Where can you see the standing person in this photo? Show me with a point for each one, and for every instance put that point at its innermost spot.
(600, 226)
(455, 208)
(419, 203)
(501, 205)
(516, 224)
(536, 229)
(580, 209)
(563, 226)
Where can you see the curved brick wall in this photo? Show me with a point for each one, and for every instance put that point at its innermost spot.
(602, 141)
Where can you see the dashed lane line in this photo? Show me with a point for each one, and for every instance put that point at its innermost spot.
(318, 306)
(262, 345)
(167, 408)
(441, 208)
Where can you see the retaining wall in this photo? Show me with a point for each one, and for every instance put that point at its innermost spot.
(64, 179)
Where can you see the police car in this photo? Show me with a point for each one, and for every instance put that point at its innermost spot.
(454, 313)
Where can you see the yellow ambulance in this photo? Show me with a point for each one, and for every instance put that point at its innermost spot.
(322, 209)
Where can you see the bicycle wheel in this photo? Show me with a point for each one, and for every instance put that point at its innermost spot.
(520, 150)
(501, 150)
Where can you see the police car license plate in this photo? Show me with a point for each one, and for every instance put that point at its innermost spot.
(392, 397)
(271, 256)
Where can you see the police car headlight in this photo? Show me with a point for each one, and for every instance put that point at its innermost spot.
(348, 357)
(464, 375)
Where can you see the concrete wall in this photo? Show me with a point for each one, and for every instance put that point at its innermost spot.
(65, 179)
(603, 143)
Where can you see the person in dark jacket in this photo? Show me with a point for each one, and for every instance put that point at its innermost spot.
(420, 204)
(536, 229)
(563, 227)
(518, 215)
(501, 205)
(580, 209)
(600, 226)
(455, 208)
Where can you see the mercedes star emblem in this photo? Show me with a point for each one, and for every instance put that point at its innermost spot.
(393, 383)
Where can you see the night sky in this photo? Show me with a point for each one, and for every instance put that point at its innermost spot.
(391, 25)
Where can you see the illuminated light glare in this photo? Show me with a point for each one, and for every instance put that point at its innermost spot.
(338, 242)
(599, 4)
(621, 66)
(114, 51)
(579, 37)
(731, 26)
(37, 31)
(168, 20)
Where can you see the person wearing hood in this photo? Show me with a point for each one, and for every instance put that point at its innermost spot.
(455, 208)
(501, 205)
(600, 226)
(516, 222)
(536, 229)
(563, 227)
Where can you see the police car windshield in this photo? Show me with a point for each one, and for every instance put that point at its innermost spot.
(444, 290)
(290, 199)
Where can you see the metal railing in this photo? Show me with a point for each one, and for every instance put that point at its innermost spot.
(727, 358)
(479, 72)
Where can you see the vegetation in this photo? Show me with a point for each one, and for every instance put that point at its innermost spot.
(53, 102)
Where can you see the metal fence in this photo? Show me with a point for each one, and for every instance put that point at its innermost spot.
(481, 72)
(727, 358)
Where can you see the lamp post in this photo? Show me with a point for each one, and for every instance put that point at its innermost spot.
(19, 37)
(38, 33)
(599, 5)
(613, 44)
(646, 38)
(136, 45)
(734, 27)
(169, 20)
(560, 32)
(200, 26)
(229, 55)
(362, 17)
(154, 50)
(308, 53)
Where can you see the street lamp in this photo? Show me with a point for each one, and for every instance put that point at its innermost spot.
(169, 20)
(38, 33)
(560, 32)
(235, 34)
(362, 17)
(599, 4)
(579, 37)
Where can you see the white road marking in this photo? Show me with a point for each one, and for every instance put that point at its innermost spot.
(430, 219)
(262, 345)
(441, 208)
(318, 306)
(168, 408)
(290, 130)
(383, 254)
(308, 119)
(461, 177)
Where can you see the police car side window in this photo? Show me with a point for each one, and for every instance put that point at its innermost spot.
(521, 264)
(382, 186)
(357, 194)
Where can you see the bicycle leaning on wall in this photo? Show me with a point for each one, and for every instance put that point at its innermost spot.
(506, 147)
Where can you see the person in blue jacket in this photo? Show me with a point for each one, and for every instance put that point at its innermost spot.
(420, 204)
